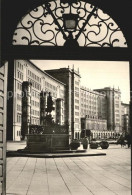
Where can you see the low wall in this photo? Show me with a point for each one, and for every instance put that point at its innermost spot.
(47, 142)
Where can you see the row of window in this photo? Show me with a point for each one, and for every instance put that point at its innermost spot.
(19, 107)
(76, 89)
(96, 126)
(35, 84)
(76, 94)
(20, 66)
(77, 126)
(19, 118)
(34, 103)
(76, 101)
(50, 86)
(77, 120)
(35, 94)
(19, 97)
(20, 75)
(77, 113)
(76, 82)
(18, 133)
(89, 107)
(92, 117)
(34, 76)
(88, 101)
(53, 94)
(84, 112)
(76, 107)
(62, 91)
(19, 86)
(35, 121)
(89, 96)
(117, 111)
(117, 105)
(117, 97)
(35, 112)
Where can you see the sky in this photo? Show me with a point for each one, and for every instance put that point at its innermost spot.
(96, 74)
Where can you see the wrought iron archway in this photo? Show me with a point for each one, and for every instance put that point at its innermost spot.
(45, 26)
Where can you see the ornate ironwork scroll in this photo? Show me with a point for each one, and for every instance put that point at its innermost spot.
(44, 26)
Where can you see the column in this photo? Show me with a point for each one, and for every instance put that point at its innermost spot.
(26, 107)
(59, 111)
(43, 105)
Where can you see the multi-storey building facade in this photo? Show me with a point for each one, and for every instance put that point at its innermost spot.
(71, 78)
(93, 111)
(93, 104)
(125, 118)
(26, 71)
(113, 106)
(98, 110)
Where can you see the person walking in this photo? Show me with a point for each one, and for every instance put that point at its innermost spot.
(128, 138)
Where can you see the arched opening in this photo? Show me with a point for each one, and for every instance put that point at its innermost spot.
(60, 23)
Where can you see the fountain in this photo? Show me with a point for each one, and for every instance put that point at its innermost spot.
(48, 137)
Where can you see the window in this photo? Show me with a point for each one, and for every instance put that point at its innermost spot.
(76, 101)
(18, 118)
(77, 107)
(77, 83)
(76, 88)
(77, 94)
(18, 74)
(77, 113)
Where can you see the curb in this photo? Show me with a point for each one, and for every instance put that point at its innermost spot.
(52, 155)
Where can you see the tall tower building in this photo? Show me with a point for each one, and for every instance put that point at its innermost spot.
(113, 105)
(72, 80)
(125, 112)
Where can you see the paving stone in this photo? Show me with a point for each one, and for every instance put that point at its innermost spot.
(92, 175)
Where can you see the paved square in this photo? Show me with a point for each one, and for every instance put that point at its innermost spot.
(97, 175)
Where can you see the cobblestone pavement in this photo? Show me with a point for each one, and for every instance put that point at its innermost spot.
(96, 175)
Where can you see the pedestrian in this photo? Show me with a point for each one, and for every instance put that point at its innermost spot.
(128, 138)
(85, 143)
(122, 142)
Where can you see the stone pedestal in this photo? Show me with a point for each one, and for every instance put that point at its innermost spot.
(47, 143)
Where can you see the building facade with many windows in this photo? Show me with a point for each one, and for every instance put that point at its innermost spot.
(71, 78)
(26, 71)
(99, 110)
(125, 112)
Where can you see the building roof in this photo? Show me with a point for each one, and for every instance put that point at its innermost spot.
(43, 71)
(90, 91)
(108, 89)
(64, 69)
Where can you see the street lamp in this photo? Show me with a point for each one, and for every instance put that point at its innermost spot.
(70, 22)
